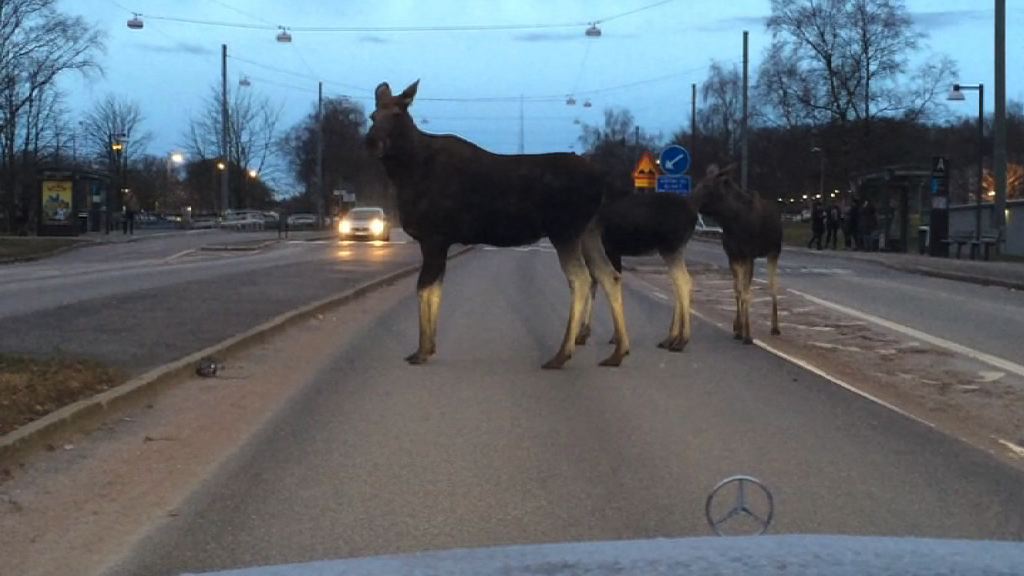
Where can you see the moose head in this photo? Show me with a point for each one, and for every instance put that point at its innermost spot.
(392, 126)
(717, 189)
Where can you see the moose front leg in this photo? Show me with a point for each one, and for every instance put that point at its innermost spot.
(428, 292)
(571, 260)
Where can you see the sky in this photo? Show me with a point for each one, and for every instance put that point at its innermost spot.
(643, 61)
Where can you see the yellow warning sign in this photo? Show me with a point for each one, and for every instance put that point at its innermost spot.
(646, 173)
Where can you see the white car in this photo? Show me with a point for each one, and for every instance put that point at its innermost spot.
(368, 223)
(706, 226)
(301, 220)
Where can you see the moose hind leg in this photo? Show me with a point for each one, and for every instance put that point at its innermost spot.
(748, 280)
(588, 315)
(571, 259)
(737, 287)
(682, 283)
(611, 282)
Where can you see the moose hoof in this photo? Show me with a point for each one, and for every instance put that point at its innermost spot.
(664, 344)
(678, 346)
(417, 358)
(556, 363)
(737, 336)
(776, 332)
(614, 360)
(748, 340)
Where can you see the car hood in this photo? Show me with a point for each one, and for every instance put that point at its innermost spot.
(741, 556)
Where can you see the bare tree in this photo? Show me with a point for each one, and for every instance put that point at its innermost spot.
(722, 113)
(252, 130)
(37, 44)
(845, 61)
(111, 120)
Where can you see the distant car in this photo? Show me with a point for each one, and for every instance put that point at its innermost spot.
(203, 222)
(242, 220)
(367, 223)
(706, 226)
(301, 221)
(271, 218)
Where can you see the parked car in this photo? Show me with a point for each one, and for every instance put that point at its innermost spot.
(242, 220)
(271, 219)
(366, 223)
(203, 222)
(301, 221)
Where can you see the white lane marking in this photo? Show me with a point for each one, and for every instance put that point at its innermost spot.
(173, 257)
(989, 359)
(1015, 449)
(659, 295)
(812, 368)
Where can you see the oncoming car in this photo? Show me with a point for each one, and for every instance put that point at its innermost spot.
(366, 223)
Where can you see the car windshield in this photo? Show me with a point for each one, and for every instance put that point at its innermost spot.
(364, 213)
(293, 281)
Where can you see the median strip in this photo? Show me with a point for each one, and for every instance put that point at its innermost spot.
(61, 420)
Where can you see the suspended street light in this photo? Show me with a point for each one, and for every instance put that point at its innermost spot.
(586, 103)
(135, 23)
(570, 101)
(593, 31)
(284, 36)
(576, 121)
(244, 82)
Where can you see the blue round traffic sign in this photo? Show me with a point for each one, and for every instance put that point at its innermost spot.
(675, 160)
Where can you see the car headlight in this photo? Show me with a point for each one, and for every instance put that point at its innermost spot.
(377, 226)
(345, 227)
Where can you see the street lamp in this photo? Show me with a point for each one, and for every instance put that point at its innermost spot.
(821, 170)
(253, 173)
(221, 165)
(957, 95)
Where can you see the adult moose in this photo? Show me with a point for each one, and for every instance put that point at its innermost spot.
(751, 229)
(452, 191)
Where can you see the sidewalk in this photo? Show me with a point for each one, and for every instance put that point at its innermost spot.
(1005, 274)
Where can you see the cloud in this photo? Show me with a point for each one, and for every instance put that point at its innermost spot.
(946, 18)
(177, 48)
(371, 39)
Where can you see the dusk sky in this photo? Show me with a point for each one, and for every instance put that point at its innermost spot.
(644, 61)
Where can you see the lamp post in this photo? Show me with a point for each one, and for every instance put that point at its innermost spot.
(957, 95)
(821, 170)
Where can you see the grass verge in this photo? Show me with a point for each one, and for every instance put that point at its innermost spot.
(33, 387)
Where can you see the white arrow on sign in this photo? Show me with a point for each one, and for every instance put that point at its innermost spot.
(671, 164)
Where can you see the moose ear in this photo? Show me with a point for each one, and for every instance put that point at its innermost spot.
(382, 93)
(407, 95)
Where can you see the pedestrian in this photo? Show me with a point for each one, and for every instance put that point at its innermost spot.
(869, 222)
(853, 224)
(832, 220)
(817, 225)
(131, 206)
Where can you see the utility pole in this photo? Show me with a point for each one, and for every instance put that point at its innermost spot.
(224, 200)
(744, 120)
(320, 149)
(693, 118)
(999, 153)
(522, 143)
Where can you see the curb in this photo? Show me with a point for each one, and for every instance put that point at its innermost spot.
(241, 247)
(62, 419)
(914, 269)
(34, 257)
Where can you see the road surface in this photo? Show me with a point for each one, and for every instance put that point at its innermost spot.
(985, 318)
(140, 304)
(481, 447)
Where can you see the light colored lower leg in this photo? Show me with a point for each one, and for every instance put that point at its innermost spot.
(434, 302)
(747, 299)
(683, 284)
(588, 314)
(571, 260)
(611, 282)
(773, 287)
(737, 288)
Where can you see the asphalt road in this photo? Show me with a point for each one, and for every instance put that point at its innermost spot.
(481, 447)
(986, 318)
(137, 305)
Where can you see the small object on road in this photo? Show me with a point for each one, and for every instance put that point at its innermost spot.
(207, 367)
(69, 446)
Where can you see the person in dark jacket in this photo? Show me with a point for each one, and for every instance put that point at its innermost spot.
(817, 225)
(852, 230)
(832, 220)
(868, 224)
